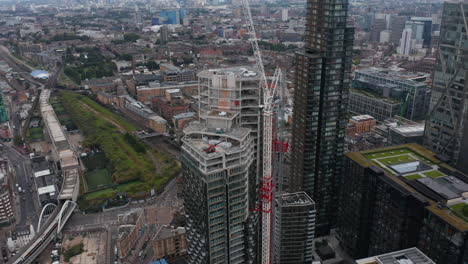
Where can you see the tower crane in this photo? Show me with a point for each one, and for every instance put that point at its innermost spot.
(268, 91)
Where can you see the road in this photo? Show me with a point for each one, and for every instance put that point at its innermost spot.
(29, 205)
(18, 66)
(108, 220)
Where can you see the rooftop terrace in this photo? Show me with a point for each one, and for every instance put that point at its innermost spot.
(418, 170)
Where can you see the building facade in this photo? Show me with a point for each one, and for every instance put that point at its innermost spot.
(170, 243)
(7, 213)
(369, 104)
(321, 82)
(407, 88)
(399, 197)
(446, 128)
(293, 228)
(220, 168)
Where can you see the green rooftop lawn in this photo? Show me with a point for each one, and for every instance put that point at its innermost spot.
(396, 160)
(461, 209)
(413, 176)
(434, 174)
(388, 153)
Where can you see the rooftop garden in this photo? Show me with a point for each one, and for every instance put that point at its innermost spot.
(395, 156)
(460, 209)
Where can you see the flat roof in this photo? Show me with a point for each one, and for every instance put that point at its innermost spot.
(409, 131)
(417, 170)
(46, 189)
(295, 199)
(42, 173)
(405, 256)
(239, 72)
(362, 118)
(448, 187)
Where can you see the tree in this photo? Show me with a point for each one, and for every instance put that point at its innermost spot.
(126, 57)
(152, 65)
(131, 37)
(18, 141)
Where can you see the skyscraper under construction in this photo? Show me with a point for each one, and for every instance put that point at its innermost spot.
(322, 79)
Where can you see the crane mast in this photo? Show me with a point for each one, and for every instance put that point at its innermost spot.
(268, 92)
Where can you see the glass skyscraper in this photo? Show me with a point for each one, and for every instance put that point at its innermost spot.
(447, 125)
(322, 80)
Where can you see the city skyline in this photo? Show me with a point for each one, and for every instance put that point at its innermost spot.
(193, 131)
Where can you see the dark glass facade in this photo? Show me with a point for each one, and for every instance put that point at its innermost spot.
(447, 128)
(293, 228)
(322, 81)
(382, 211)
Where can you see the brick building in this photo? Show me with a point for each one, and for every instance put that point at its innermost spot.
(170, 242)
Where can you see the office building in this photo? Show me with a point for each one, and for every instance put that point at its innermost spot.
(447, 128)
(400, 197)
(427, 29)
(410, 255)
(405, 134)
(379, 25)
(293, 228)
(284, 14)
(172, 17)
(406, 44)
(220, 168)
(164, 34)
(416, 37)
(397, 25)
(409, 89)
(322, 79)
(365, 103)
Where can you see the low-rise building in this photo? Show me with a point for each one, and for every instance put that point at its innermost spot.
(7, 213)
(46, 182)
(407, 88)
(181, 120)
(170, 243)
(130, 231)
(360, 124)
(364, 103)
(147, 92)
(406, 134)
(144, 114)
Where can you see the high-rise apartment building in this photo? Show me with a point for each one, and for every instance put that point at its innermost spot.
(447, 127)
(400, 197)
(322, 80)
(293, 228)
(406, 44)
(220, 169)
(397, 25)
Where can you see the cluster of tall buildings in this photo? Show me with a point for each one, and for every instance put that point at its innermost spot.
(169, 17)
(378, 201)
